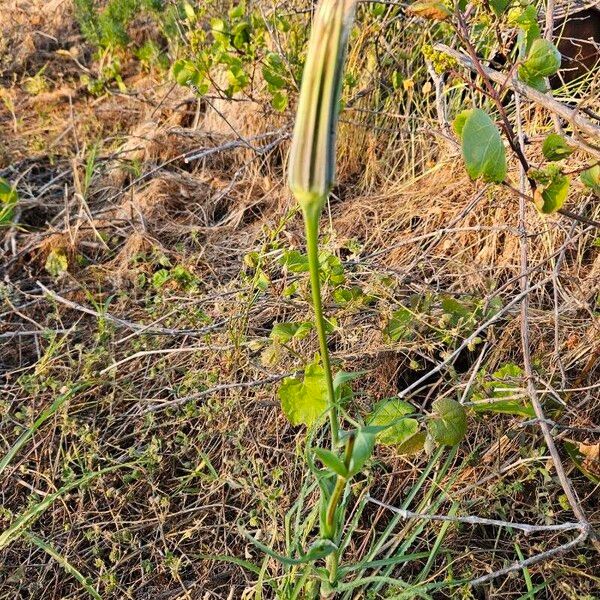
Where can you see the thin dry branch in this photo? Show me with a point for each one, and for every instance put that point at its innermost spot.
(474, 520)
(572, 115)
(137, 327)
(526, 348)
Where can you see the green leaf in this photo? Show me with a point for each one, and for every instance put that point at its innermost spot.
(190, 13)
(237, 11)
(344, 296)
(505, 407)
(331, 461)
(459, 122)
(343, 377)
(553, 196)
(305, 401)
(273, 71)
(57, 262)
(8, 201)
(543, 60)
(527, 21)
(362, 450)
(187, 74)
(499, 6)
(279, 101)
(160, 278)
(449, 426)
(413, 444)
(285, 332)
(392, 413)
(505, 382)
(591, 178)
(294, 261)
(401, 325)
(482, 148)
(319, 549)
(556, 148)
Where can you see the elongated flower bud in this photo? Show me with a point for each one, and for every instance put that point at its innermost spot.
(312, 155)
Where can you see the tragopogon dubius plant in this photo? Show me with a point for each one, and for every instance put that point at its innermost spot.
(319, 393)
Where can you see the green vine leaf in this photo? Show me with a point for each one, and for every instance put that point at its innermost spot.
(187, 74)
(285, 332)
(556, 148)
(392, 415)
(449, 426)
(553, 196)
(459, 122)
(304, 401)
(591, 179)
(499, 6)
(482, 147)
(526, 20)
(543, 60)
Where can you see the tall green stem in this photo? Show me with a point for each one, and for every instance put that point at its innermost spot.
(311, 221)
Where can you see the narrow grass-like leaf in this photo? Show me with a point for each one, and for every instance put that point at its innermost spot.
(22, 522)
(44, 416)
(64, 563)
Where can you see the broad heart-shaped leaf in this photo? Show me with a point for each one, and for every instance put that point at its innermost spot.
(273, 71)
(305, 401)
(401, 326)
(279, 101)
(556, 148)
(543, 60)
(392, 414)
(553, 196)
(363, 448)
(186, 73)
(449, 425)
(413, 444)
(482, 148)
(591, 178)
(284, 332)
(331, 461)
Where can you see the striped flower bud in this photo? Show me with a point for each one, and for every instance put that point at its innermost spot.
(312, 155)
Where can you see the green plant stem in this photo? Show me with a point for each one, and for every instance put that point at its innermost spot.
(338, 490)
(311, 221)
(333, 560)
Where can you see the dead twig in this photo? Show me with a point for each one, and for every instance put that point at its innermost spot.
(572, 115)
(586, 528)
(137, 327)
